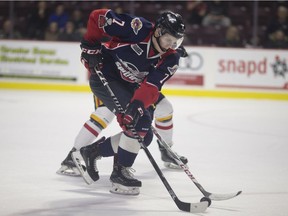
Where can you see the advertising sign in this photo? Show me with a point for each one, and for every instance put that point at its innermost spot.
(40, 60)
(208, 68)
(254, 69)
(191, 68)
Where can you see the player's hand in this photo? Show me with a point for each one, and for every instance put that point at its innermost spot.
(91, 54)
(131, 116)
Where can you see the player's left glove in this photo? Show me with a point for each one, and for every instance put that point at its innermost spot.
(91, 54)
(134, 111)
(182, 51)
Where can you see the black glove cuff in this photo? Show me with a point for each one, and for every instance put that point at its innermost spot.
(135, 110)
(139, 105)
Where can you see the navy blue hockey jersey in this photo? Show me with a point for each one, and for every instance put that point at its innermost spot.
(129, 55)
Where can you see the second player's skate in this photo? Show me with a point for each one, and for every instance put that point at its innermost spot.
(168, 160)
(68, 166)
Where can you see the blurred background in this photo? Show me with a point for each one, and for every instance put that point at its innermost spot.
(235, 48)
(247, 24)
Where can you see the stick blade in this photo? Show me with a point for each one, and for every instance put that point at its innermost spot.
(220, 197)
(199, 207)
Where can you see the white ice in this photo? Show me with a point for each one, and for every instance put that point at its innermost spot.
(231, 144)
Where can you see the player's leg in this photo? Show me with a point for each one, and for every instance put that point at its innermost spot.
(163, 116)
(86, 158)
(89, 132)
(122, 178)
(128, 147)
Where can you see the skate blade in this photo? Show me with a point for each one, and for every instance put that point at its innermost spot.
(79, 162)
(124, 190)
(170, 165)
(68, 171)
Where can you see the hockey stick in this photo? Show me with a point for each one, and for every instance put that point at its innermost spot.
(187, 207)
(212, 196)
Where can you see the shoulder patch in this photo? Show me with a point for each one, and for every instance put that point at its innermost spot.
(137, 49)
(104, 21)
(136, 25)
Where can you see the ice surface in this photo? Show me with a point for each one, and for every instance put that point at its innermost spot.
(231, 145)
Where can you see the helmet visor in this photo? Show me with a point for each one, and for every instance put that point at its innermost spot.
(167, 41)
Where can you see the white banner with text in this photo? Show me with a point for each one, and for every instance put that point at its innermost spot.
(204, 68)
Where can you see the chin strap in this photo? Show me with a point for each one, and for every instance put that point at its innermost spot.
(158, 42)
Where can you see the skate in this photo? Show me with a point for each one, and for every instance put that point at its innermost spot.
(86, 161)
(123, 181)
(168, 160)
(68, 166)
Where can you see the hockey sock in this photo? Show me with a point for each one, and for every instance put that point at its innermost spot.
(164, 120)
(110, 146)
(128, 150)
(165, 129)
(87, 135)
(98, 121)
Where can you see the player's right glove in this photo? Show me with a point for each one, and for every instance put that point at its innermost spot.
(131, 116)
(91, 54)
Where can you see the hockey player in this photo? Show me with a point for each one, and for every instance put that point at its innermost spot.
(138, 60)
(102, 117)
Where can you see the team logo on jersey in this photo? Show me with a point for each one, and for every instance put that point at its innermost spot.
(173, 69)
(136, 25)
(104, 21)
(130, 72)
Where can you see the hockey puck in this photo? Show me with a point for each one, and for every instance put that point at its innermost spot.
(206, 199)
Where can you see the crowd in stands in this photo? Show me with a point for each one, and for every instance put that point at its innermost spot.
(208, 23)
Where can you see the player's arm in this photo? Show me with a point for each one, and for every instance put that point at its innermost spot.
(91, 42)
(95, 26)
(105, 22)
(149, 90)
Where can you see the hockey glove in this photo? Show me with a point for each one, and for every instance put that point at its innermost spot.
(182, 52)
(91, 55)
(131, 116)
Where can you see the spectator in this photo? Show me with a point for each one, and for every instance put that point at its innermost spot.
(197, 9)
(82, 31)
(278, 40)
(52, 32)
(8, 31)
(279, 23)
(69, 33)
(232, 38)
(38, 21)
(253, 42)
(216, 15)
(79, 23)
(59, 16)
(77, 19)
(119, 10)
